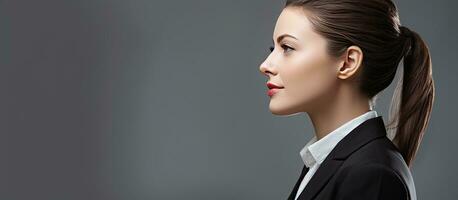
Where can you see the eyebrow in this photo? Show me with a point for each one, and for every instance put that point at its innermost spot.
(279, 38)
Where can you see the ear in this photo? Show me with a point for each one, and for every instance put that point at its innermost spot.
(352, 59)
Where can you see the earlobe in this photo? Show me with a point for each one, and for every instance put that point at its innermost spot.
(351, 62)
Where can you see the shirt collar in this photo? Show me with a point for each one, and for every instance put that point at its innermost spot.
(316, 151)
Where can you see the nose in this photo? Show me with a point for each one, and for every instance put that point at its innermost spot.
(266, 68)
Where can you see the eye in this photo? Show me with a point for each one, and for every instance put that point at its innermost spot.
(284, 46)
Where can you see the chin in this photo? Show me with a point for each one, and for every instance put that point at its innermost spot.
(283, 110)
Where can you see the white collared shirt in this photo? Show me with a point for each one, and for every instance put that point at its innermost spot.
(314, 152)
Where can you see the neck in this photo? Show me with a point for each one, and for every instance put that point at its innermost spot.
(341, 108)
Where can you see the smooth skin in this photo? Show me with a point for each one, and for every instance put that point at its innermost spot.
(314, 82)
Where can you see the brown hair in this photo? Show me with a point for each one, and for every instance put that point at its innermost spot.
(374, 26)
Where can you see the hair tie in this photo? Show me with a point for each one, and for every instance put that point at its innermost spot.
(406, 32)
(408, 36)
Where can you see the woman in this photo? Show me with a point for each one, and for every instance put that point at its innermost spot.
(330, 59)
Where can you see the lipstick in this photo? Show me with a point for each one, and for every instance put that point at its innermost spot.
(272, 89)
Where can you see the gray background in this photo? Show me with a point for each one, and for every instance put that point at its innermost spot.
(110, 99)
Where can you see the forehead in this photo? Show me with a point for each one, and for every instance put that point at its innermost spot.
(294, 21)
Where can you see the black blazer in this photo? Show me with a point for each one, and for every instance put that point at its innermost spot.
(365, 164)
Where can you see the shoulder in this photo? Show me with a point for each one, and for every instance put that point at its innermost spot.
(371, 172)
(375, 171)
(380, 153)
(370, 181)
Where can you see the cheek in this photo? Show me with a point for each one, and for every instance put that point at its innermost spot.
(308, 76)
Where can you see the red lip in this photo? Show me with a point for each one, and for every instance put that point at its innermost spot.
(271, 85)
(272, 89)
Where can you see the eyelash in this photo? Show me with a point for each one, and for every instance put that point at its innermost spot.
(283, 46)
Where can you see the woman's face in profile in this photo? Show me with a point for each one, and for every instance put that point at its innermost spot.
(300, 64)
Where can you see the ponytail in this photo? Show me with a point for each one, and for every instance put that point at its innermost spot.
(413, 97)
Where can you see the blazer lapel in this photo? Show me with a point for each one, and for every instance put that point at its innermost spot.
(367, 131)
(298, 182)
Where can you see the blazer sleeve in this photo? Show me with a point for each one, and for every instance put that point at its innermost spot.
(371, 182)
